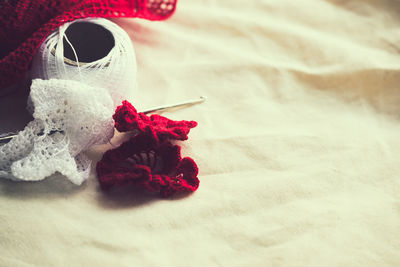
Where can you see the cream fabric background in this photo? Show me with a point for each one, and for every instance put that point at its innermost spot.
(298, 146)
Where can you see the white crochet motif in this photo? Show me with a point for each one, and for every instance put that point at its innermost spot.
(69, 117)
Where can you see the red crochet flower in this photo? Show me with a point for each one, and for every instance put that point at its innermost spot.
(145, 162)
(149, 160)
(128, 119)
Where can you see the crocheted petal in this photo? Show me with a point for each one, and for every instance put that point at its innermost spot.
(170, 129)
(186, 181)
(155, 183)
(126, 117)
(122, 176)
(170, 156)
(189, 169)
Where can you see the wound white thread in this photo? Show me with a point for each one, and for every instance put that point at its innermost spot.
(115, 72)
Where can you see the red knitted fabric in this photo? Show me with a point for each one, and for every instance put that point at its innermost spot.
(147, 163)
(128, 119)
(24, 24)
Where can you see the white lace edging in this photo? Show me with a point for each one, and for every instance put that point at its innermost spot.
(69, 117)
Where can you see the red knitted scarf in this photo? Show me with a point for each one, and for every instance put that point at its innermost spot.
(24, 24)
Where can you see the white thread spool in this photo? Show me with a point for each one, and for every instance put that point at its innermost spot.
(115, 72)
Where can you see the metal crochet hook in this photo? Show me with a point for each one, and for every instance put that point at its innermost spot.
(165, 107)
(146, 111)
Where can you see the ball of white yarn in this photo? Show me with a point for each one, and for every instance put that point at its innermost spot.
(115, 72)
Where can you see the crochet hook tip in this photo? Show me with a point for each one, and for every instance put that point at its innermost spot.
(199, 100)
(8, 137)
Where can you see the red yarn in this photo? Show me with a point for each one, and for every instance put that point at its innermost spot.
(128, 119)
(24, 24)
(146, 163)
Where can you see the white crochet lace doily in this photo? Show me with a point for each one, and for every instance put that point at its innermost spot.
(69, 117)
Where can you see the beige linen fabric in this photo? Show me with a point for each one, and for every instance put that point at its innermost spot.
(298, 146)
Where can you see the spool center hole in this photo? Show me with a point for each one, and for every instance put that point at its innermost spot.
(90, 41)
